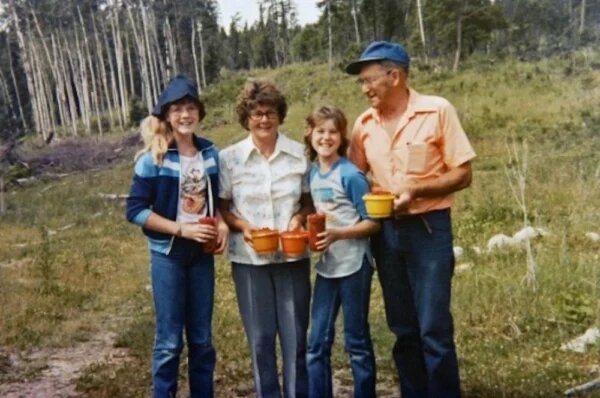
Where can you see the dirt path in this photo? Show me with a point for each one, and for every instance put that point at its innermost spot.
(52, 372)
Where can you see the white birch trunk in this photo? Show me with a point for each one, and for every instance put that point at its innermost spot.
(202, 70)
(93, 95)
(355, 19)
(66, 72)
(105, 96)
(15, 86)
(143, 65)
(422, 29)
(26, 63)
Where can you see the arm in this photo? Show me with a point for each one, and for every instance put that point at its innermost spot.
(193, 231)
(453, 180)
(234, 222)
(362, 229)
(222, 234)
(298, 220)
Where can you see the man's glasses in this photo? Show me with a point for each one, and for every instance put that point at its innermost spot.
(258, 115)
(368, 81)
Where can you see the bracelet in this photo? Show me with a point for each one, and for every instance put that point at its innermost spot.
(178, 233)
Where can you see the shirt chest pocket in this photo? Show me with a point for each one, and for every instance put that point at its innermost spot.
(421, 156)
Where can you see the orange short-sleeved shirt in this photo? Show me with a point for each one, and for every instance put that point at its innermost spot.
(428, 141)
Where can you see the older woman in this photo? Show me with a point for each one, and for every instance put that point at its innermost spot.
(263, 181)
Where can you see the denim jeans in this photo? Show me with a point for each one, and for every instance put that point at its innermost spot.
(352, 293)
(274, 301)
(415, 263)
(183, 292)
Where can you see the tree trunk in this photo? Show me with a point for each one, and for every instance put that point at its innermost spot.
(142, 62)
(459, 24)
(94, 105)
(329, 36)
(15, 86)
(120, 71)
(26, 63)
(67, 73)
(194, 56)
(355, 19)
(199, 26)
(422, 30)
(582, 18)
(105, 96)
(83, 91)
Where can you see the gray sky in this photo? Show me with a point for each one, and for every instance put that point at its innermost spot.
(306, 10)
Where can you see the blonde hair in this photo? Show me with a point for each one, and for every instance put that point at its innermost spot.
(157, 137)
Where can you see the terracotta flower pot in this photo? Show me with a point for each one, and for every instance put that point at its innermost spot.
(265, 240)
(316, 225)
(293, 243)
(379, 204)
(211, 245)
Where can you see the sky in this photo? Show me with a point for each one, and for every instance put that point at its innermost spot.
(306, 11)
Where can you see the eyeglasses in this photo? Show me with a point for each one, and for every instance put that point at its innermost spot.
(258, 115)
(368, 81)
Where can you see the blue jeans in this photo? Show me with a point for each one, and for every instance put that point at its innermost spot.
(183, 292)
(415, 263)
(274, 301)
(352, 293)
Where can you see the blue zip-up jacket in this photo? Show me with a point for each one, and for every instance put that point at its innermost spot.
(156, 189)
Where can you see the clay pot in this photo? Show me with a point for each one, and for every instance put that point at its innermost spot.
(293, 243)
(265, 240)
(316, 225)
(379, 204)
(211, 245)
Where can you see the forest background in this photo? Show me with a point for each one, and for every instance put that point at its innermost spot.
(77, 76)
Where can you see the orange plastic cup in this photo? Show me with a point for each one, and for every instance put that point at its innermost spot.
(211, 245)
(293, 243)
(265, 240)
(316, 225)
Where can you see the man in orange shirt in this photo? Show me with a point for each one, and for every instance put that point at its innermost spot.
(413, 145)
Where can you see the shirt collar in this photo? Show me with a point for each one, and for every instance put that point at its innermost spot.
(417, 103)
(283, 144)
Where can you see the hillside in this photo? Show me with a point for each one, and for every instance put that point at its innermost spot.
(73, 272)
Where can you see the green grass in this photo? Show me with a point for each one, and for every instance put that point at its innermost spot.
(60, 286)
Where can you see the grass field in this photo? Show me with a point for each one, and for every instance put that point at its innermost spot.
(71, 267)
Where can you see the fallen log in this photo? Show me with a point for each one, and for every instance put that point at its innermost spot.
(584, 388)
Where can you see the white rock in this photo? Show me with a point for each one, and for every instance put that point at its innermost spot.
(499, 241)
(529, 233)
(593, 236)
(477, 250)
(463, 267)
(458, 252)
(579, 344)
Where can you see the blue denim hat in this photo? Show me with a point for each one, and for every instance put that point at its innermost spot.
(379, 51)
(179, 87)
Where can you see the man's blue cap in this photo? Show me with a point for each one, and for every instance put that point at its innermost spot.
(179, 87)
(379, 51)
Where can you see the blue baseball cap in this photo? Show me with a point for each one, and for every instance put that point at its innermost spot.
(178, 88)
(379, 51)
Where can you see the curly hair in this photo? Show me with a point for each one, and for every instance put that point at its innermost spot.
(259, 92)
(318, 116)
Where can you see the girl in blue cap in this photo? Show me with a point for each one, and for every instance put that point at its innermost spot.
(175, 186)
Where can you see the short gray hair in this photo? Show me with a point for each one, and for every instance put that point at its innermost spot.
(387, 64)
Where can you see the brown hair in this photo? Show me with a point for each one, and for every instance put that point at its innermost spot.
(257, 92)
(319, 115)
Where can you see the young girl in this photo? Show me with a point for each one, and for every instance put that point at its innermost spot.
(175, 185)
(345, 268)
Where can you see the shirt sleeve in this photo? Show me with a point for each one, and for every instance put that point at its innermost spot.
(306, 177)
(225, 190)
(142, 192)
(356, 185)
(356, 150)
(456, 146)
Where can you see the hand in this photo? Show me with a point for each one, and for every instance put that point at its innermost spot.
(296, 223)
(247, 232)
(198, 232)
(222, 237)
(327, 237)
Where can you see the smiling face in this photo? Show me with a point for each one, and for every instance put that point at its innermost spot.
(183, 116)
(377, 83)
(326, 140)
(263, 122)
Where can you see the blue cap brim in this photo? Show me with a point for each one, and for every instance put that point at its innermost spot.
(355, 67)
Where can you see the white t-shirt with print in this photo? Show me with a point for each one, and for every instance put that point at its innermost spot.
(192, 189)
